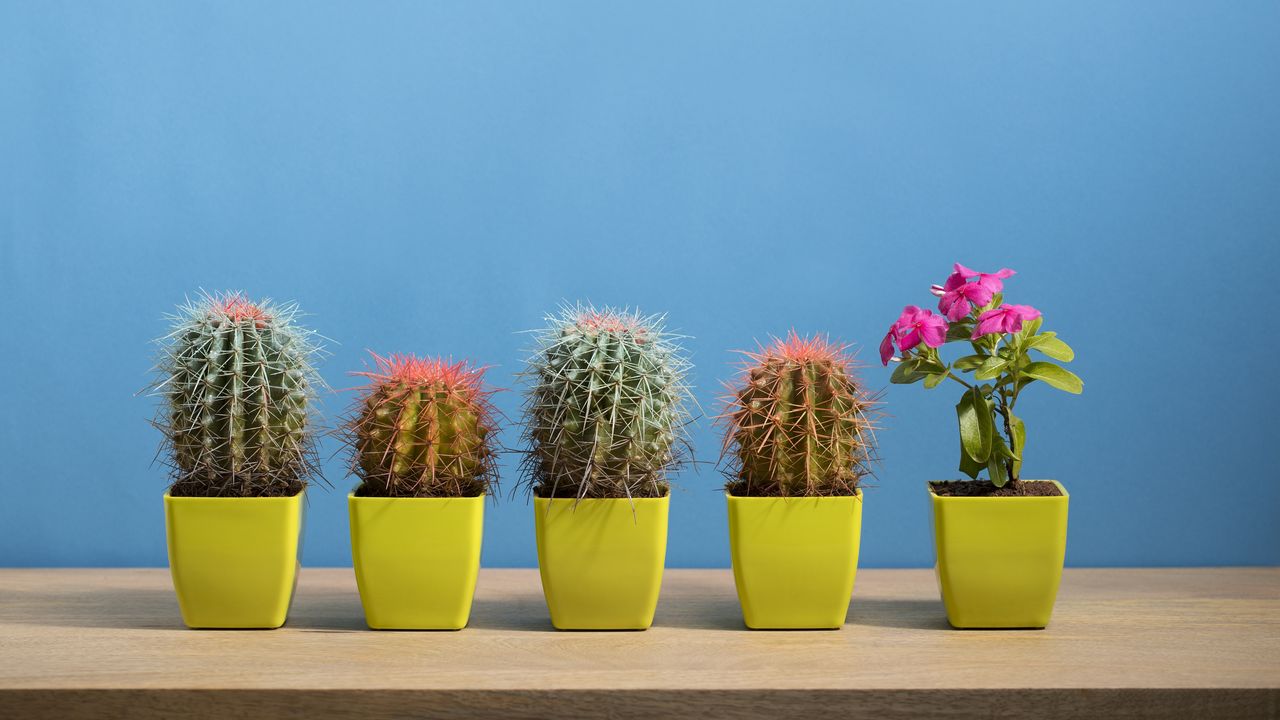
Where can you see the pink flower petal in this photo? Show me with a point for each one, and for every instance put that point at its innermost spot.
(965, 272)
(990, 283)
(978, 293)
(1025, 312)
(886, 346)
(957, 307)
(910, 340)
(989, 322)
(934, 332)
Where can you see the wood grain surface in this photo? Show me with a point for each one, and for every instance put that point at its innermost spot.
(1123, 643)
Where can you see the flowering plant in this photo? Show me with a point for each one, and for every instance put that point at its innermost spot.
(1001, 336)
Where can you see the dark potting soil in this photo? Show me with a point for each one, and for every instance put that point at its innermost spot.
(571, 493)
(191, 488)
(983, 488)
(740, 488)
(474, 489)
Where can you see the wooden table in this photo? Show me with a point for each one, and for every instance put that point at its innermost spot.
(1136, 643)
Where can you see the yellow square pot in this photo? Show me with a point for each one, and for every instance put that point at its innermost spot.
(794, 559)
(999, 558)
(234, 561)
(601, 560)
(416, 559)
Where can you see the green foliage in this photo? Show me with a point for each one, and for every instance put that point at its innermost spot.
(1002, 368)
(992, 438)
(605, 412)
(423, 428)
(237, 383)
(799, 422)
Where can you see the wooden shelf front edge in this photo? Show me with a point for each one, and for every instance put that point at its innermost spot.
(1123, 642)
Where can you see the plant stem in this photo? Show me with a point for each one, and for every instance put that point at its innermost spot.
(1005, 410)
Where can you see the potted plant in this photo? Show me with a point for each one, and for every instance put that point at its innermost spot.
(422, 443)
(799, 440)
(604, 420)
(237, 381)
(1001, 540)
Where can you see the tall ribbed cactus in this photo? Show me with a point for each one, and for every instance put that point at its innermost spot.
(798, 422)
(423, 428)
(605, 411)
(237, 381)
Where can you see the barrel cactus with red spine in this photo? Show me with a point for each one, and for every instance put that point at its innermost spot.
(798, 421)
(423, 427)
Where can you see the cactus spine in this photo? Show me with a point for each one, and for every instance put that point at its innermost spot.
(423, 428)
(605, 410)
(237, 381)
(798, 421)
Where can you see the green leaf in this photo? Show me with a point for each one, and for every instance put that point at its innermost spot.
(976, 429)
(906, 373)
(933, 380)
(1000, 448)
(969, 362)
(990, 369)
(959, 331)
(995, 465)
(1055, 376)
(968, 465)
(1053, 347)
(928, 365)
(1019, 443)
(1031, 327)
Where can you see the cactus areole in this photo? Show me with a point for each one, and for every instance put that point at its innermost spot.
(237, 383)
(798, 422)
(423, 428)
(605, 411)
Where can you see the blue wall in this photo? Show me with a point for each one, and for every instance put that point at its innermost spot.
(433, 177)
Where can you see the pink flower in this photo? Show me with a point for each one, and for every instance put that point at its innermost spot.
(1004, 319)
(958, 295)
(914, 326)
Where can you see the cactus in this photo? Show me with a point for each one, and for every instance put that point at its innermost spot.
(605, 411)
(798, 421)
(237, 382)
(423, 428)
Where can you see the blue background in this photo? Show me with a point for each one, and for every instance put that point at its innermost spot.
(433, 177)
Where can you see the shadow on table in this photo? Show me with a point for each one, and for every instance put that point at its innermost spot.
(520, 614)
(896, 613)
(122, 608)
(699, 612)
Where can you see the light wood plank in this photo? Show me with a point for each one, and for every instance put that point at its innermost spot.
(1141, 643)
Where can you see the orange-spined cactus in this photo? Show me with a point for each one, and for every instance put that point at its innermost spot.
(423, 428)
(798, 421)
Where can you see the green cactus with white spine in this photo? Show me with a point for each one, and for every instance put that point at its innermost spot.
(798, 421)
(238, 382)
(605, 412)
